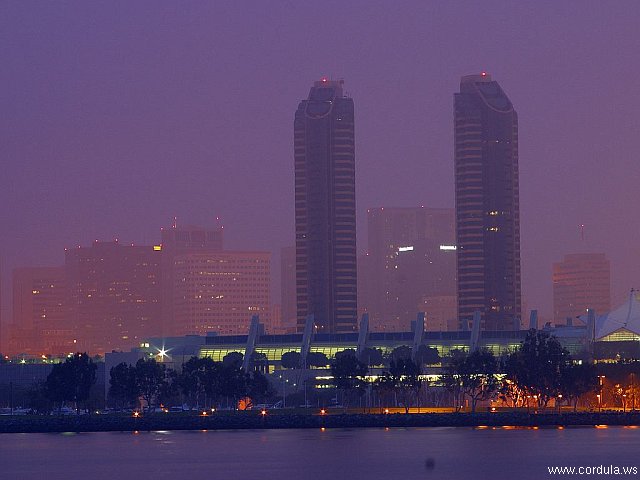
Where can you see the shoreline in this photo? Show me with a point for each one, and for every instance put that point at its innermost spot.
(255, 421)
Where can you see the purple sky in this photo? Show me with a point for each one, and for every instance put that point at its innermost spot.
(116, 116)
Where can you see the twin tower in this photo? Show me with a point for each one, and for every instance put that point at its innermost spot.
(487, 206)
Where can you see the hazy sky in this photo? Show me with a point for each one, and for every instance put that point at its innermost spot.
(116, 116)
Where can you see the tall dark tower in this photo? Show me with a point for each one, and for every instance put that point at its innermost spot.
(487, 204)
(324, 153)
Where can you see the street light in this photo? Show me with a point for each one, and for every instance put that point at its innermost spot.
(600, 395)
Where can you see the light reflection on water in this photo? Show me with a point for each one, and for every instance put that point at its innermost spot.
(372, 454)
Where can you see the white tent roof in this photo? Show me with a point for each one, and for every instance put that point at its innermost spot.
(626, 316)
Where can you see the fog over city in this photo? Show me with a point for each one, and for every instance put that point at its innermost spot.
(119, 117)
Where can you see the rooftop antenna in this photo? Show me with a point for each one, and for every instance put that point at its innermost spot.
(582, 232)
(175, 222)
(626, 322)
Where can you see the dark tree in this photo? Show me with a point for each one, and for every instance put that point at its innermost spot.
(38, 400)
(123, 388)
(233, 359)
(400, 353)
(233, 384)
(152, 381)
(404, 374)
(372, 356)
(258, 388)
(384, 386)
(427, 355)
(471, 375)
(348, 352)
(290, 360)
(536, 366)
(317, 359)
(348, 375)
(72, 380)
(577, 380)
(259, 361)
(451, 378)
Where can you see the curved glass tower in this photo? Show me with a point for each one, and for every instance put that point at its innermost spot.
(487, 204)
(325, 203)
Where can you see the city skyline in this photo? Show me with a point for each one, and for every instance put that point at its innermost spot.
(99, 145)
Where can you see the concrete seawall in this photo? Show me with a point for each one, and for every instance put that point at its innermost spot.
(254, 420)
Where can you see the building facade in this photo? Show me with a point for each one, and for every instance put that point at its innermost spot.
(113, 294)
(219, 292)
(289, 314)
(40, 317)
(411, 255)
(487, 204)
(182, 240)
(581, 281)
(325, 209)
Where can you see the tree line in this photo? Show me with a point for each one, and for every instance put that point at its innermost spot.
(530, 376)
(201, 383)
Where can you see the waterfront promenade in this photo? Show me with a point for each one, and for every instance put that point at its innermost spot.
(280, 420)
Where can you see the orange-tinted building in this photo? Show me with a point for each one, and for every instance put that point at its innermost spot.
(40, 318)
(581, 281)
(440, 313)
(182, 240)
(218, 292)
(114, 295)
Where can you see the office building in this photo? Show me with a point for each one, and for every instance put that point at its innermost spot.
(581, 281)
(181, 240)
(40, 321)
(288, 319)
(325, 209)
(411, 255)
(113, 295)
(218, 292)
(487, 204)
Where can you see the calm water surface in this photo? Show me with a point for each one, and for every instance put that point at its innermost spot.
(370, 454)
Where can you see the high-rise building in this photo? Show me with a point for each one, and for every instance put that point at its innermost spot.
(114, 295)
(411, 255)
(181, 240)
(325, 208)
(218, 292)
(581, 281)
(439, 313)
(487, 204)
(40, 320)
(288, 318)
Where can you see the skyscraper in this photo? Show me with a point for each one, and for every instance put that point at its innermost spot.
(487, 203)
(325, 208)
(410, 256)
(288, 289)
(581, 281)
